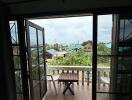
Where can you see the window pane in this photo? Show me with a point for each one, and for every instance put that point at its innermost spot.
(125, 79)
(17, 62)
(127, 50)
(37, 92)
(43, 79)
(103, 61)
(33, 37)
(104, 57)
(125, 30)
(103, 96)
(15, 50)
(40, 41)
(14, 32)
(125, 63)
(19, 96)
(18, 81)
(35, 73)
(34, 56)
(104, 35)
(104, 49)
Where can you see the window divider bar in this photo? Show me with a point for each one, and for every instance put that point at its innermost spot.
(94, 57)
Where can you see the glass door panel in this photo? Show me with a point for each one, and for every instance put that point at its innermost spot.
(104, 56)
(35, 41)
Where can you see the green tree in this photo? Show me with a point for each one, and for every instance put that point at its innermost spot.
(86, 42)
(75, 58)
(56, 46)
(102, 49)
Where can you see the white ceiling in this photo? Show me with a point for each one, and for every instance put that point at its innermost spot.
(40, 6)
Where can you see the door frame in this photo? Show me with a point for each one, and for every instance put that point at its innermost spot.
(94, 56)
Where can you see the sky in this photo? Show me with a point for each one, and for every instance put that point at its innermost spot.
(73, 30)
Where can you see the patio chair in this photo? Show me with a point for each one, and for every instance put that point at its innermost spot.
(105, 80)
(52, 78)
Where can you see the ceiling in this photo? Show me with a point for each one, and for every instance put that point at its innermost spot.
(20, 7)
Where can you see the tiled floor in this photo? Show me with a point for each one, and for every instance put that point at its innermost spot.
(82, 92)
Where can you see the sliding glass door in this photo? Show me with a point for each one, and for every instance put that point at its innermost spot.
(104, 56)
(122, 71)
(114, 58)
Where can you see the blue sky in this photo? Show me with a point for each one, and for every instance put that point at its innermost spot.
(75, 29)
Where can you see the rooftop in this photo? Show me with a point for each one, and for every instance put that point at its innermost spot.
(75, 46)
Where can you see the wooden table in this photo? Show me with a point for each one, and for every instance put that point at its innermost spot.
(68, 79)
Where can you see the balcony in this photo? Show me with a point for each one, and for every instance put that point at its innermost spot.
(82, 89)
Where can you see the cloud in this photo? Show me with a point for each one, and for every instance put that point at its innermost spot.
(104, 28)
(74, 29)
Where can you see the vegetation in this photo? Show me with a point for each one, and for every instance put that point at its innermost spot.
(55, 46)
(103, 50)
(84, 58)
(74, 58)
(86, 42)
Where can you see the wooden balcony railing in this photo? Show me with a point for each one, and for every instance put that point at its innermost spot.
(84, 72)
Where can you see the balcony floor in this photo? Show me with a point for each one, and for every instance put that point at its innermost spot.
(82, 92)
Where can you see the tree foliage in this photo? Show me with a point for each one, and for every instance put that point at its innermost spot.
(55, 46)
(75, 58)
(103, 50)
(83, 58)
(86, 42)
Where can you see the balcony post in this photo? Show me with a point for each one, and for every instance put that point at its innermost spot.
(98, 79)
(78, 77)
(88, 77)
(82, 77)
(57, 71)
(53, 72)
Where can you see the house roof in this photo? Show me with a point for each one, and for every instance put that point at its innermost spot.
(54, 52)
(75, 46)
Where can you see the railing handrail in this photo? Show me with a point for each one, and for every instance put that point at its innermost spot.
(82, 68)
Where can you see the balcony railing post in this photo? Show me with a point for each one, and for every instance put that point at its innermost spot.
(57, 71)
(109, 74)
(99, 79)
(53, 72)
(105, 75)
(82, 77)
(62, 71)
(78, 77)
(67, 71)
(87, 77)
